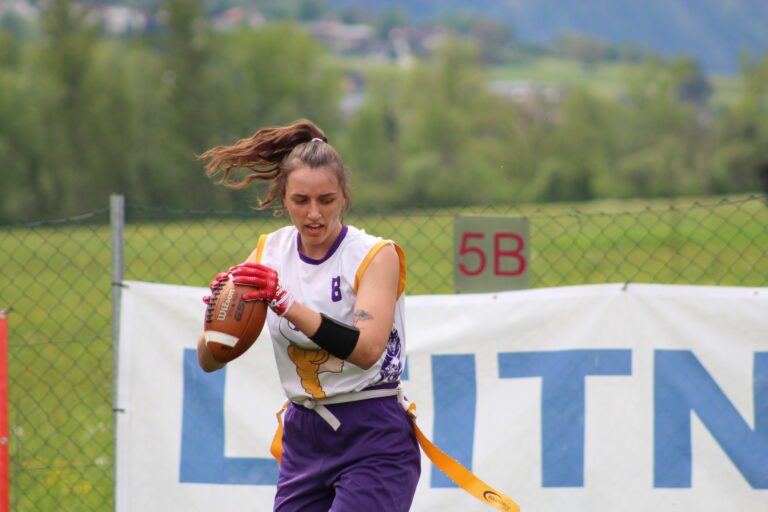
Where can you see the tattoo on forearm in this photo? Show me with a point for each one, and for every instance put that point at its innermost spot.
(361, 316)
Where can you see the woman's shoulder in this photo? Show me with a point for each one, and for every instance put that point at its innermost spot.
(275, 242)
(363, 247)
(359, 236)
(281, 236)
(359, 240)
(373, 253)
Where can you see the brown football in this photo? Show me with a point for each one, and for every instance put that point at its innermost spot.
(232, 324)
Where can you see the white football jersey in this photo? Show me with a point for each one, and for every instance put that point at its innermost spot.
(328, 286)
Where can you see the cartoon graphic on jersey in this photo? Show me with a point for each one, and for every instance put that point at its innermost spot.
(293, 335)
(392, 366)
(310, 363)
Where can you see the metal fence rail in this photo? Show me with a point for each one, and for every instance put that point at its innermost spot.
(57, 276)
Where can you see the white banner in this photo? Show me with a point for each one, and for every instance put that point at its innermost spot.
(589, 398)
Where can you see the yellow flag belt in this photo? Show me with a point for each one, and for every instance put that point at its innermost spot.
(448, 465)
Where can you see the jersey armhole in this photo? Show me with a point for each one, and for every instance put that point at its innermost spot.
(369, 257)
(255, 256)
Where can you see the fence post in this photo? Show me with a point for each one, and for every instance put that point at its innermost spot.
(117, 228)
(5, 494)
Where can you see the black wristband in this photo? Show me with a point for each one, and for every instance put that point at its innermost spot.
(338, 338)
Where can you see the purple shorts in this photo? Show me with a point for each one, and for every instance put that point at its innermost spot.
(371, 463)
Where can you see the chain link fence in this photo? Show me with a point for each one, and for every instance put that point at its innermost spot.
(56, 279)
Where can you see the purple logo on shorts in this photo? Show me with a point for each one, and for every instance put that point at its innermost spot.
(392, 366)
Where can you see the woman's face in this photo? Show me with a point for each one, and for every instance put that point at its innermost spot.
(315, 202)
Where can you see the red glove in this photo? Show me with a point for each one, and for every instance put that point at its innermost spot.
(267, 285)
(216, 283)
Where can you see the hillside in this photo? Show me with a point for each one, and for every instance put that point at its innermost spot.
(715, 32)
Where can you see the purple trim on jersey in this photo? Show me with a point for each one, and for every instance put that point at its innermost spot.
(336, 244)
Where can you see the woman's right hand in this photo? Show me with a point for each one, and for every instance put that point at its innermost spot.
(266, 285)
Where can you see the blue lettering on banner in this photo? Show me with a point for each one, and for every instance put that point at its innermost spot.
(454, 388)
(202, 434)
(682, 386)
(563, 403)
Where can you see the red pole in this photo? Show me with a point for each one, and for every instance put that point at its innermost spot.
(5, 496)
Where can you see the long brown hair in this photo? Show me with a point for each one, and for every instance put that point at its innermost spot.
(271, 154)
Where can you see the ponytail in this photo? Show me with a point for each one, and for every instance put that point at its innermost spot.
(271, 154)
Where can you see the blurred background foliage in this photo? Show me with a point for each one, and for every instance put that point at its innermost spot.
(85, 112)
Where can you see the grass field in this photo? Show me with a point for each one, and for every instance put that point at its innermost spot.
(57, 279)
(606, 79)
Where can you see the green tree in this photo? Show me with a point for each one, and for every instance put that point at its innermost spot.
(371, 147)
(63, 61)
(579, 154)
(193, 97)
(742, 134)
(21, 137)
(132, 129)
(659, 134)
(451, 123)
(274, 75)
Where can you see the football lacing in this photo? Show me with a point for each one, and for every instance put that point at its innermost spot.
(212, 303)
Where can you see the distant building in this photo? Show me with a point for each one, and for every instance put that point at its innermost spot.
(238, 17)
(537, 102)
(353, 97)
(521, 91)
(343, 38)
(420, 40)
(118, 19)
(19, 8)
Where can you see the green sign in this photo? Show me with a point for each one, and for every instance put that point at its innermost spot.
(490, 254)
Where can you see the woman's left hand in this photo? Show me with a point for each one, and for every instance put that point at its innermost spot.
(267, 286)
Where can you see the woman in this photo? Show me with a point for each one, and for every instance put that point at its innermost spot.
(336, 296)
